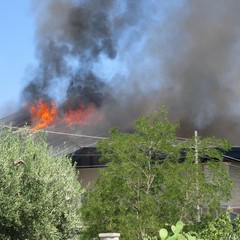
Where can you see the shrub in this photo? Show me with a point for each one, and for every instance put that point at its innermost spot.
(39, 194)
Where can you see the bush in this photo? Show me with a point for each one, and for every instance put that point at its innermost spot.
(177, 234)
(220, 228)
(39, 194)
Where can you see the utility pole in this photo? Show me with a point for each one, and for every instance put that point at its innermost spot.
(197, 184)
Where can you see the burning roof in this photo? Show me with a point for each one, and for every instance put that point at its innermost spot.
(63, 137)
(43, 115)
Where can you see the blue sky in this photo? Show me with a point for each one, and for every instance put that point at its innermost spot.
(17, 50)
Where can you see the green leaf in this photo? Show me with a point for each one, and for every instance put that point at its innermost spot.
(179, 226)
(163, 233)
(174, 229)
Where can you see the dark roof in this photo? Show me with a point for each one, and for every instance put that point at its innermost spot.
(78, 143)
(233, 154)
(18, 119)
(87, 157)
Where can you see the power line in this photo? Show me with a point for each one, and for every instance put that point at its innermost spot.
(59, 133)
(70, 134)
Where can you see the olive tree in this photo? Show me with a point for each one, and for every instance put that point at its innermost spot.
(153, 178)
(39, 194)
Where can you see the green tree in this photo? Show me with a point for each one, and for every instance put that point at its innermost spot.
(39, 194)
(148, 182)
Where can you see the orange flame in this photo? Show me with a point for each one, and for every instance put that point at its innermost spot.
(42, 114)
(81, 116)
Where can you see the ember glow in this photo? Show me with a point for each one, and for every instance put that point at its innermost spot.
(44, 115)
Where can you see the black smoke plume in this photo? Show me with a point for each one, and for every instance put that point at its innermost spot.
(131, 57)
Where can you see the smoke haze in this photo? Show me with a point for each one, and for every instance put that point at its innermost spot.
(131, 57)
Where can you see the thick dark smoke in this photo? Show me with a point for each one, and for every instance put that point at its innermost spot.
(131, 57)
(70, 38)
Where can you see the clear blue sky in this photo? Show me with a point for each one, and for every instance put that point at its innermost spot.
(16, 50)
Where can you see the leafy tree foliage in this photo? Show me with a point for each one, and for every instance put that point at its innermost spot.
(153, 178)
(220, 228)
(39, 194)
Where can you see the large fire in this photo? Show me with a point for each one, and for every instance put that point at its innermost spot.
(43, 115)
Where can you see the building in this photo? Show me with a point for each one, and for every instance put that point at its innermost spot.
(82, 150)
